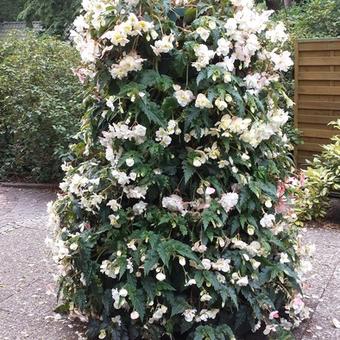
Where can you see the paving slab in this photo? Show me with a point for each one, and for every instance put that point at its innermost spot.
(27, 290)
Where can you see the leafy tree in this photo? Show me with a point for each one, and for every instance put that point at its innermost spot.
(56, 15)
(9, 9)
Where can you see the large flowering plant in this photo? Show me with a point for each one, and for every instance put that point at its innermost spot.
(168, 224)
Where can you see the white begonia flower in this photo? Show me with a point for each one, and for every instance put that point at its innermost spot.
(204, 55)
(228, 201)
(206, 314)
(242, 281)
(130, 162)
(163, 45)
(209, 191)
(132, 2)
(109, 103)
(255, 264)
(102, 334)
(230, 26)
(109, 269)
(205, 297)
(223, 47)
(189, 314)
(135, 192)
(129, 63)
(277, 34)
(267, 221)
(123, 292)
(59, 250)
(222, 265)
(139, 131)
(221, 104)
(162, 136)
(191, 282)
(139, 208)
(269, 329)
(228, 64)
(80, 23)
(117, 37)
(143, 26)
(131, 245)
(203, 102)
(282, 62)
(134, 315)
(197, 162)
(73, 246)
(160, 276)
(206, 264)
(203, 33)
(184, 97)
(173, 203)
(199, 247)
(159, 312)
(173, 128)
(182, 261)
(284, 258)
(121, 177)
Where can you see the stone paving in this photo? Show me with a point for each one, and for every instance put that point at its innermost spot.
(27, 295)
(27, 292)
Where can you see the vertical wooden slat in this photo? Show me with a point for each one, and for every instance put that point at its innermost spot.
(296, 97)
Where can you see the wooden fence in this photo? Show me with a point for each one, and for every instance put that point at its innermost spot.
(317, 93)
(17, 26)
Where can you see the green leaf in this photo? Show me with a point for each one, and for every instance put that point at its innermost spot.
(137, 299)
(149, 286)
(182, 249)
(150, 261)
(152, 111)
(188, 170)
(164, 253)
(204, 333)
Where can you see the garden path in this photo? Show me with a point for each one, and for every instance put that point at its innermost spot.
(27, 292)
(27, 295)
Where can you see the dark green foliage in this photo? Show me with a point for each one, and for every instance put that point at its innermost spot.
(39, 106)
(9, 9)
(312, 19)
(55, 15)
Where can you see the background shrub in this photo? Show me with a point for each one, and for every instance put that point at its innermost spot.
(312, 19)
(39, 106)
(318, 181)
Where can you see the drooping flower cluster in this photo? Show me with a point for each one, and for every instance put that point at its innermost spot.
(168, 220)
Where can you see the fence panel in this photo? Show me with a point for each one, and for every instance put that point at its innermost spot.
(17, 26)
(317, 93)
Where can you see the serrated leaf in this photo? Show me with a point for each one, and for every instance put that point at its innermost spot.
(164, 253)
(150, 261)
(151, 110)
(149, 287)
(136, 297)
(188, 170)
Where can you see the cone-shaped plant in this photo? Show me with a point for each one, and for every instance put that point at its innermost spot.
(169, 225)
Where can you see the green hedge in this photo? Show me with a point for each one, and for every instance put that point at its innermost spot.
(39, 106)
